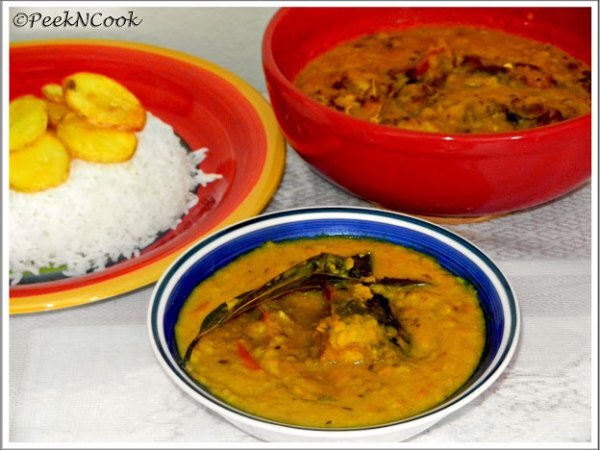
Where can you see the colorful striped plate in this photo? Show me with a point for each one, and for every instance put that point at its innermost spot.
(207, 106)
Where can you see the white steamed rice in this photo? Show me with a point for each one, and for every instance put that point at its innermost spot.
(104, 211)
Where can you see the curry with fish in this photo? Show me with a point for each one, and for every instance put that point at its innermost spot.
(332, 332)
(453, 79)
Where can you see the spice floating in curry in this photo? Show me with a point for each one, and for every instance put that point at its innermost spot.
(376, 333)
(450, 79)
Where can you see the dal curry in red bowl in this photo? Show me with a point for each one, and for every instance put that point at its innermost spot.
(400, 159)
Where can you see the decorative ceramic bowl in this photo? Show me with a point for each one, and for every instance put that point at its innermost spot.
(453, 252)
(434, 174)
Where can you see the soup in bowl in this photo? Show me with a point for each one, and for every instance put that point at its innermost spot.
(334, 323)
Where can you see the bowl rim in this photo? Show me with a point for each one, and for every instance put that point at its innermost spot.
(101, 285)
(179, 267)
(358, 126)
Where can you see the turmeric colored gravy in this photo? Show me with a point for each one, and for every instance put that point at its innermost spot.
(292, 361)
(450, 79)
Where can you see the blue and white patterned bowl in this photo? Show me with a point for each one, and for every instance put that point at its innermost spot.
(453, 252)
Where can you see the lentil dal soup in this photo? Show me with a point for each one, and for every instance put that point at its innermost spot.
(299, 361)
(453, 79)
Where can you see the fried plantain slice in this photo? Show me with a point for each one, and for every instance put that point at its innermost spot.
(103, 101)
(95, 143)
(53, 92)
(27, 119)
(56, 112)
(39, 166)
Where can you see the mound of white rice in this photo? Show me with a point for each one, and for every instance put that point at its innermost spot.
(104, 211)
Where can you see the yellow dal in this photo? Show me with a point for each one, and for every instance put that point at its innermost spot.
(444, 320)
(450, 79)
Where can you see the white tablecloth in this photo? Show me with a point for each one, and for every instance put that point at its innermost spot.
(87, 374)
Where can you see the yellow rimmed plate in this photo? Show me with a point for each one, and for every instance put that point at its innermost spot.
(207, 106)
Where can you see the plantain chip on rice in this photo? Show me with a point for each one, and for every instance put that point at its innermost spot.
(39, 166)
(56, 112)
(95, 143)
(27, 119)
(103, 101)
(53, 92)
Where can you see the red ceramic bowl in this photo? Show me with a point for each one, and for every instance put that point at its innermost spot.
(419, 172)
(207, 107)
